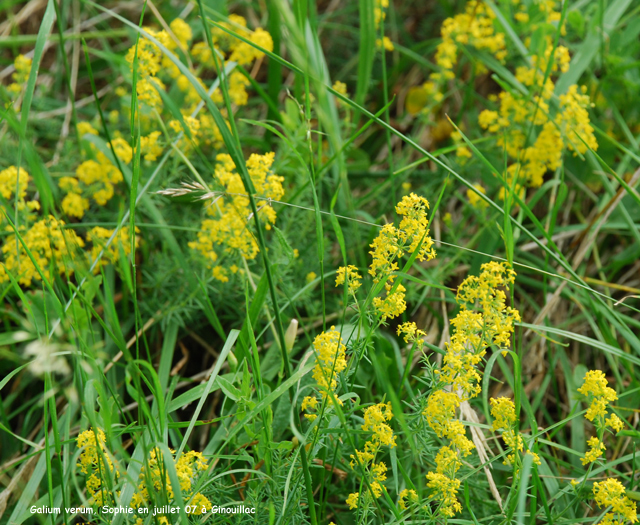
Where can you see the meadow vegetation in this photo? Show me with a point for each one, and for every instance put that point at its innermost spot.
(335, 263)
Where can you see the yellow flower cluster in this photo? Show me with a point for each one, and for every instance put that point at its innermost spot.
(230, 212)
(443, 481)
(379, 14)
(14, 181)
(232, 48)
(518, 114)
(330, 361)
(192, 137)
(596, 449)
(375, 418)
(407, 495)
(95, 177)
(599, 396)
(473, 28)
(611, 493)
(21, 75)
(340, 87)
(473, 332)
(151, 61)
(330, 352)
(149, 146)
(121, 245)
(412, 334)
(153, 479)
(474, 199)
(48, 241)
(375, 421)
(411, 235)
(505, 420)
(440, 415)
(154, 70)
(49, 244)
(96, 463)
(350, 273)
(45, 239)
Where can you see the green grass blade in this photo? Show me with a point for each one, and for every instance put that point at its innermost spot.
(233, 335)
(367, 49)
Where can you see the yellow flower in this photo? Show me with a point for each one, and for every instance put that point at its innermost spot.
(122, 150)
(615, 422)
(193, 125)
(447, 461)
(385, 43)
(220, 274)
(85, 128)
(411, 235)
(149, 146)
(350, 273)
(91, 441)
(199, 501)
(375, 418)
(21, 75)
(375, 421)
(413, 229)
(352, 500)
(506, 419)
(611, 492)
(411, 333)
(445, 493)
(49, 244)
(228, 230)
(573, 119)
(12, 182)
(407, 494)
(517, 113)
(97, 177)
(148, 57)
(95, 462)
(74, 205)
(245, 53)
(521, 17)
(393, 242)
(309, 403)
(237, 88)
(503, 411)
(595, 387)
(596, 448)
(473, 332)
(385, 250)
(182, 31)
(474, 199)
(311, 276)
(473, 28)
(379, 471)
(440, 410)
(340, 87)
(536, 457)
(110, 254)
(330, 360)
(392, 305)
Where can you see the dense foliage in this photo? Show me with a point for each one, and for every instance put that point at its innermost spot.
(319, 262)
